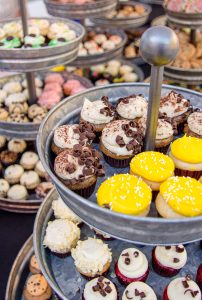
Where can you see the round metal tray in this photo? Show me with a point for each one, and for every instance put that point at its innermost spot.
(146, 230)
(157, 2)
(69, 284)
(189, 76)
(96, 8)
(28, 131)
(26, 60)
(125, 23)
(184, 19)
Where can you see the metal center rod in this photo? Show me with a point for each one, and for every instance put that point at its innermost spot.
(153, 107)
(29, 75)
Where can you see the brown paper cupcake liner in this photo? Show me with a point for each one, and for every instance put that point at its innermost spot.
(187, 173)
(163, 150)
(117, 163)
(86, 192)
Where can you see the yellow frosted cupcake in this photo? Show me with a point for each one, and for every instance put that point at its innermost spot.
(153, 167)
(180, 197)
(186, 153)
(125, 194)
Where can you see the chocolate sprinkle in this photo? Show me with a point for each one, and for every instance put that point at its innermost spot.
(185, 284)
(176, 260)
(141, 294)
(179, 249)
(120, 141)
(127, 261)
(193, 293)
(125, 254)
(127, 292)
(167, 247)
(136, 253)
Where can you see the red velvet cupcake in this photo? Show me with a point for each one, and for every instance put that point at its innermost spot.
(131, 266)
(167, 261)
(199, 276)
(182, 288)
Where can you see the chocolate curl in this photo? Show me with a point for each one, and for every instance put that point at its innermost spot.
(120, 141)
(70, 168)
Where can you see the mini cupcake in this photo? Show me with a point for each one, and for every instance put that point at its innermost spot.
(28, 160)
(186, 153)
(199, 276)
(78, 169)
(125, 194)
(39, 169)
(13, 173)
(30, 180)
(132, 266)
(3, 114)
(92, 257)
(8, 158)
(132, 107)
(62, 211)
(17, 192)
(119, 141)
(179, 197)
(139, 290)
(183, 288)
(37, 288)
(17, 146)
(67, 136)
(100, 288)
(167, 261)
(98, 113)
(4, 187)
(176, 107)
(34, 266)
(194, 125)
(61, 236)
(153, 167)
(164, 136)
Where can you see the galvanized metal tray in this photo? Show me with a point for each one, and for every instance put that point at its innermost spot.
(146, 230)
(158, 2)
(189, 76)
(68, 284)
(97, 8)
(26, 59)
(180, 19)
(125, 23)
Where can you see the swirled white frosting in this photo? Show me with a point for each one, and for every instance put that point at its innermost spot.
(129, 292)
(164, 130)
(173, 106)
(135, 108)
(109, 135)
(91, 255)
(195, 122)
(138, 264)
(90, 294)
(91, 112)
(166, 256)
(177, 291)
(62, 211)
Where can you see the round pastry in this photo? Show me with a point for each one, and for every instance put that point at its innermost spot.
(30, 180)
(34, 266)
(78, 169)
(13, 173)
(194, 125)
(179, 197)
(49, 99)
(54, 78)
(2, 141)
(53, 87)
(153, 167)
(67, 136)
(12, 87)
(186, 153)
(18, 108)
(92, 257)
(33, 41)
(167, 261)
(17, 146)
(35, 110)
(39, 169)
(17, 192)
(176, 107)
(17, 118)
(139, 290)
(8, 158)
(126, 194)
(98, 113)
(71, 85)
(62, 211)
(29, 160)
(199, 276)
(43, 189)
(3, 114)
(12, 28)
(37, 288)
(119, 141)
(184, 6)
(4, 187)
(132, 266)
(15, 98)
(61, 236)
(10, 42)
(183, 288)
(132, 107)
(100, 288)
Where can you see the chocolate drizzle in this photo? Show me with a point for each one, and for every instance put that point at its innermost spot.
(102, 286)
(193, 293)
(176, 260)
(179, 249)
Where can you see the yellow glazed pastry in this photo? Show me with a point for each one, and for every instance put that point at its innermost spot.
(180, 197)
(153, 167)
(126, 194)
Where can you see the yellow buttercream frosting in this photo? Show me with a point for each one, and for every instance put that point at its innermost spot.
(153, 166)
(183, 195)
(125, 193)
(187, 149)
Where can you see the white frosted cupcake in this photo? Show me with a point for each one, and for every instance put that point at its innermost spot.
(13, 173)
(139, 290)
(61, 236)
(62, 211)
(132, 107)
(100, 288)
(194, 124)
(92, 257)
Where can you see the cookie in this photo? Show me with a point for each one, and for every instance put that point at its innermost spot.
(34, 266)
(37, 288)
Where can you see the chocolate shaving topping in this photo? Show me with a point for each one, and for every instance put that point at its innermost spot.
(167, 247)
(179, 249)
(95, 288)
(136, 253)
(101, 278)
(125, 254)
(193, 293)
(176, 260)
(141, 294)
(127, 296)
(102, 287)
(70, 168)
(108, 289)
(185, 284)
(188, 277)
(120, 141)
(88, 171)
(127, 261)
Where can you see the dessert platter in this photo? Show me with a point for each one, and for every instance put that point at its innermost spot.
(127, 15)
(49, 42)
(23, 181)
(19, 118)
(91, 265)
(75, 190)
(100, 46)
(80, 9)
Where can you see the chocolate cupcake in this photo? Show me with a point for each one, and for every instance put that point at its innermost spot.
(78, 169)
(120, 141)
(194, 125)
(66, 136)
